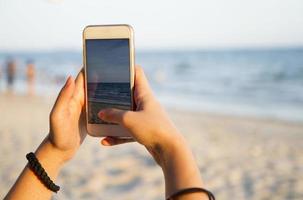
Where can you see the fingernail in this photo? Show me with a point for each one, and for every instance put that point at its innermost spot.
(101, 114)
(105, 142)
(68, 81)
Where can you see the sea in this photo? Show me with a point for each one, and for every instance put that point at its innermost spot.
(265, 83)
(117, 93)
(107, 95)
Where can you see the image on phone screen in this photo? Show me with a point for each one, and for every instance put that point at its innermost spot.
(108, 76)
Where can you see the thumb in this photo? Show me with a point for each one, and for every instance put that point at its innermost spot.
(122, 117)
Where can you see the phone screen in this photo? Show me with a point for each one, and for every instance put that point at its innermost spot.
(108, 76)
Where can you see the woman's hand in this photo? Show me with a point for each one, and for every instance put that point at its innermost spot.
(151, 126)
(67, 125)
(67, 132)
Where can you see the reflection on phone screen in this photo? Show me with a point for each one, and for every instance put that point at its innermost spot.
(108, 76)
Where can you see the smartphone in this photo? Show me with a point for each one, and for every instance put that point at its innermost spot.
(108, 56)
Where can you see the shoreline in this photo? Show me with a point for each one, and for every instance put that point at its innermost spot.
(241, 117)
(247, 111)
(234, 109)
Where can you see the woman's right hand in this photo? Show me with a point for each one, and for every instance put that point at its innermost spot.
(150, 126)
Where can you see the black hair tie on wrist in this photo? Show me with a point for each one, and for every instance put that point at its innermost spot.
(39, 171)
(192, 190)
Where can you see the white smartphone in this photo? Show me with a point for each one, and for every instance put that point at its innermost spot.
(108, 56)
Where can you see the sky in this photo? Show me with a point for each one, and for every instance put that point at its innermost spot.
(107, 60)
(158, 24)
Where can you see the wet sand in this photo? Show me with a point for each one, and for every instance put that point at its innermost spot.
(239, 157)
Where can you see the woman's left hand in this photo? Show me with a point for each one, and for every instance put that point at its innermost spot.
(67, 124)
(67, 132)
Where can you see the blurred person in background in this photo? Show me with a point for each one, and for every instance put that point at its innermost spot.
(0, 77)
(30, 77)
(10, 73)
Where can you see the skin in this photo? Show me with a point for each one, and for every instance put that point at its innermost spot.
(149, 126)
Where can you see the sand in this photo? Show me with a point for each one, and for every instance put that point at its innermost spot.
(239, 157)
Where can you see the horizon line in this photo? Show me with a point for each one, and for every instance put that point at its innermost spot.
(163, 49)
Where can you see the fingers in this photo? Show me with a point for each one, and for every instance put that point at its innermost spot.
(111, 141)
(142, 92)
(123, 117)
(141, 82)
(66, 92)
(79, 88)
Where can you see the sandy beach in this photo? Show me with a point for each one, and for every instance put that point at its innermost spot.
(239, 157)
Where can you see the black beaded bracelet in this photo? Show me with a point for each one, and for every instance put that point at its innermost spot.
(192, 190)
(39, 171)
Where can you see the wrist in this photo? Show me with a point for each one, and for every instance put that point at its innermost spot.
(64, 152)
(46, 153)
(171, 148)
(179, 167)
